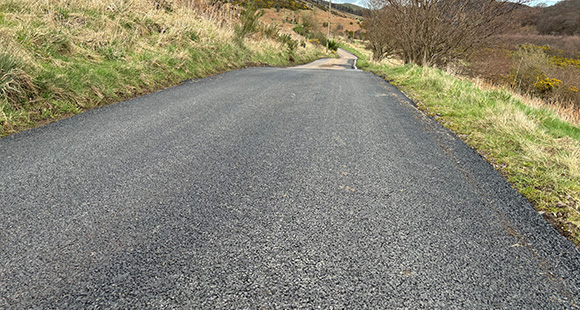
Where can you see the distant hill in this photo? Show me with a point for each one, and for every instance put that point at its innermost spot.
(351, 8)
(563, 18)
(304, 5)
(342, 7)
(278, 4)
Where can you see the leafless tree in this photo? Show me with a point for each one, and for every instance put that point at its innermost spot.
(434, 32)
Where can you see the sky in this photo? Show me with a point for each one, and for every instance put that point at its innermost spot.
(547, 2)
(357, 2)
(362, 2)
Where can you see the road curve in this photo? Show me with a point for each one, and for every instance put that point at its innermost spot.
(345, 61)
(268, 188)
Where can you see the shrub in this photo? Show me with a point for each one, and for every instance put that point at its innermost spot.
(534, 72)
(318, 36)
(314, 41)
(249, 22)
(545, 85)
(528, 66)
(309, 22)
(332, 45)
(291, 45)
(271, 31)
(433, 32)
(299, 29)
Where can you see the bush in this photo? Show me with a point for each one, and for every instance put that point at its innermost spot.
(249, 22)
(332, 45)
(433, 32)
(314, 41)
(271, 31)
(309, 22)
(535, 72)
(299, 29)
(291, 45)
(318, 36)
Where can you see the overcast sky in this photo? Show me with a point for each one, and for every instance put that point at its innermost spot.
(362, 2)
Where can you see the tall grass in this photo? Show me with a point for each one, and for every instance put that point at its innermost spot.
(538, 151)
(15, 84)
(67, 56)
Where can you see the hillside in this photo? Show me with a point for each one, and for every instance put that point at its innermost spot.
(563, 18)
(351, 8)
(340, 7)
(62, 57)
(342, 25)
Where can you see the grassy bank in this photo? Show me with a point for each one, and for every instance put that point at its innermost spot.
(535, 149)
(61, 57)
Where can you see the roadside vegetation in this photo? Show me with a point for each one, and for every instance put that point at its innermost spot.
(543, 66)
(532, 50)
(528, 141)
(504, 78)
(62, 57)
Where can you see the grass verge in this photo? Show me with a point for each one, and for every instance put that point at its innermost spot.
(62, 57)
(536, 150)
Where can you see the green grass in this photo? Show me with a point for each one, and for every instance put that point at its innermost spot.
(57, 64)
(537, 151)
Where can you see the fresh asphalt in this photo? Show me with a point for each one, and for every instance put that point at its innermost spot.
(268, 188)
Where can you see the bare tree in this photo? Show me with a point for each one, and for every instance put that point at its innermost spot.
(434, 32)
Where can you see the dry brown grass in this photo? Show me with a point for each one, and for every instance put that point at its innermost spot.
(85, 53)
(283, 18)
(541, 67)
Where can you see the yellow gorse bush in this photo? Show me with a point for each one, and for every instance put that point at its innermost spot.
(563, 62)
(546, 84)
(314, 41)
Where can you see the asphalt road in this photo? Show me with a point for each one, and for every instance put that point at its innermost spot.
(268, 188)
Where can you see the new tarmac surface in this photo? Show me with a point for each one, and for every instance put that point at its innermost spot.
(268, 188)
